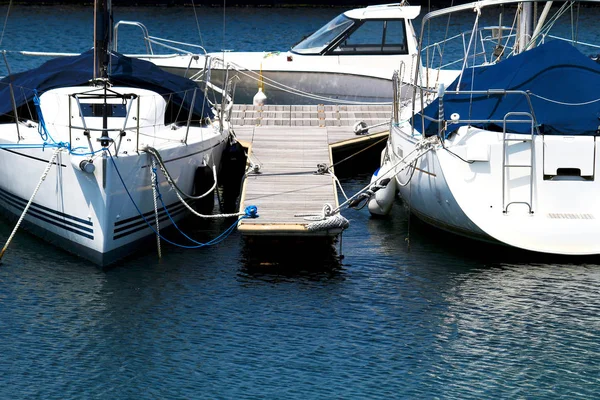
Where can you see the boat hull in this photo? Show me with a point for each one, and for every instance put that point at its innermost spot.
(304, 87)
(544, 200)
(92, 215)
(306, 80)
(426, 194)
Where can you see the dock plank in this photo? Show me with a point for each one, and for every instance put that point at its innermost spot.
(289, 142)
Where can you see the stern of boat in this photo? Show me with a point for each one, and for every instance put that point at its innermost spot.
(536, 192)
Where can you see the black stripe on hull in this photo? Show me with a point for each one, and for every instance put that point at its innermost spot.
(135, 224)
(49, 216)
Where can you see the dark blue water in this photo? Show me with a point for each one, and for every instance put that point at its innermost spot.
(409, 312)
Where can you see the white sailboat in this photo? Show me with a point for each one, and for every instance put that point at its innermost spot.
(351, 59)
(80, 137)
(508, 152)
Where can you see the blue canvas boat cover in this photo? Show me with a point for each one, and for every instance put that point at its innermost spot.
(564, 87)
(124, 71)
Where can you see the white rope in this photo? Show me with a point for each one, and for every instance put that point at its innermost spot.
(336, 221)
(337, 181)
(178, 194)
(152, 151)
(325, 220)
(421, 148)
(42, 178)
(326, 212)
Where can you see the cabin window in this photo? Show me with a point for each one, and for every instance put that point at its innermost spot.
(318, 41)
(375, 37)
(97, 110)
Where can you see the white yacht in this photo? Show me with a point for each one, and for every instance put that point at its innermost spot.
(351, 59)
(507, 153)
(87, 141)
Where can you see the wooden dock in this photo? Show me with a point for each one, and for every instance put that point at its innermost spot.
(317, 116)
(288, 145)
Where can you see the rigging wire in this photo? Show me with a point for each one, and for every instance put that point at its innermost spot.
(224, 20)
(5, 22)
(197, 23)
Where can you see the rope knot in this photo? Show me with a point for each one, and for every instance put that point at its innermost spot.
(251, 212)
(322, 169)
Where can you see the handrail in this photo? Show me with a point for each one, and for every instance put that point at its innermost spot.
(476, 6)
(498, 92)
(132, 23)
(149, 40)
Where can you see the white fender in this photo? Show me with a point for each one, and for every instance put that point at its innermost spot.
(259, 98)
(381, 203)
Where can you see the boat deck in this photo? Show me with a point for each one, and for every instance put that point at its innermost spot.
(289, 144)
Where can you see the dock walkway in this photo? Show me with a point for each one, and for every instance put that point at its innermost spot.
(289, 145)
(317, 115)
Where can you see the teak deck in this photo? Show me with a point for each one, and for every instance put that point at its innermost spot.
(288, 149)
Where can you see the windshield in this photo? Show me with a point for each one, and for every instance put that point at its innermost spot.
(315, 43)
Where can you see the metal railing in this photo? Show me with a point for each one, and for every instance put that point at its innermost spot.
(149, 40)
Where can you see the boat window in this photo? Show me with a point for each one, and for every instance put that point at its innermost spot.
(97, 110)
(315, 43)
(375, 37)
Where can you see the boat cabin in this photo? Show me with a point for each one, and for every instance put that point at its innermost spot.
(375, 30)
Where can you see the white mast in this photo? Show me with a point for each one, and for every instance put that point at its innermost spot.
(525, 25)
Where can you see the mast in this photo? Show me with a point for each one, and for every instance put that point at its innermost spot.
(525, 25)
(102, 37)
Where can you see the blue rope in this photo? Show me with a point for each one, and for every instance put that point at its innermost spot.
(45, 135)
(251, 213)
(42, 130)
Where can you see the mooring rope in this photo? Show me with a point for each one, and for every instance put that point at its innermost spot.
(154, 190)
(37, 188)
(249, 212)
(421, 148)
(152, 151)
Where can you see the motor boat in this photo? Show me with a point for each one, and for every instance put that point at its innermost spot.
(350, 60)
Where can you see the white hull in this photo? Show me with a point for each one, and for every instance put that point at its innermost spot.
(90, 212)
(92, 215)
(512, 153)
(469, 199)
(304, 84)
(316, 88)
(427, 194)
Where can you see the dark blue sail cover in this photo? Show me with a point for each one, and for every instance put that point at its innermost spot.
(553, 71)
(124, 71)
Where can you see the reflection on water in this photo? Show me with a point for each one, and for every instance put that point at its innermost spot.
(282, 258)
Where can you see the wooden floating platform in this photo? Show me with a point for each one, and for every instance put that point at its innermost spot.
(289, 149)
(317, 115)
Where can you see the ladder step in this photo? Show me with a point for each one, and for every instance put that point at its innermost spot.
(518, 140)
(518, 166)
